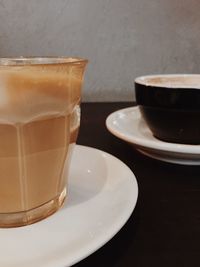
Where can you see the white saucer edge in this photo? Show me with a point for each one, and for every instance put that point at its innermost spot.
(150, 144)
(126, 218)
(168, 159)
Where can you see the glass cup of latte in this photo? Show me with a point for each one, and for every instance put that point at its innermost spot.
(39, 123)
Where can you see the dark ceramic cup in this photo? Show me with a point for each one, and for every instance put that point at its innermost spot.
(170, 105)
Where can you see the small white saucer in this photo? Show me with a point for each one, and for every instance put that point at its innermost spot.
(102, 195)
(128, 125)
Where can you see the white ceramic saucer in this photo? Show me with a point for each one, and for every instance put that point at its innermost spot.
(128, 125)
(102, 195)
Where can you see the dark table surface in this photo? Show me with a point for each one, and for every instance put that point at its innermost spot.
(164, 229)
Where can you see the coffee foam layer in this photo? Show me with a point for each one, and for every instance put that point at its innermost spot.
(171, 81)
(27, 95)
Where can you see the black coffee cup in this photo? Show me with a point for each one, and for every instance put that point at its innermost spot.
(170, 105)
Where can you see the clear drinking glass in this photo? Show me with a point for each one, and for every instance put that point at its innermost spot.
(39, 122)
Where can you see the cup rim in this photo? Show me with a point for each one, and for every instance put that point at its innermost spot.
(144, 80)
(40, 61)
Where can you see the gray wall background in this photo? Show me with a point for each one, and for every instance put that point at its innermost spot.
(122, 39)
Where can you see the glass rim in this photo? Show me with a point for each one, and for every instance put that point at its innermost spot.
(40, 61)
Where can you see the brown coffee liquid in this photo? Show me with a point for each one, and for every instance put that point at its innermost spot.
(32, 158)
(39, 122)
